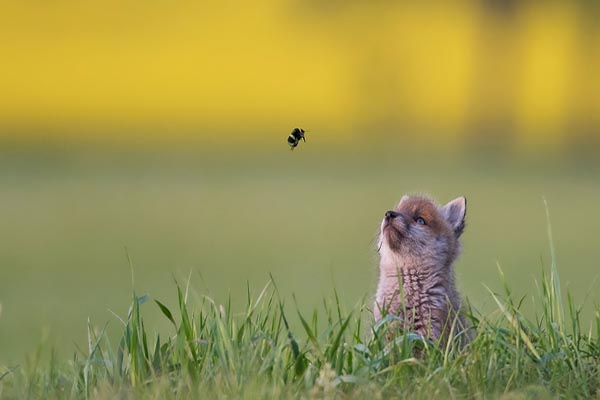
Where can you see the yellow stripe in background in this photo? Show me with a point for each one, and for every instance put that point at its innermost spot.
(272, 65)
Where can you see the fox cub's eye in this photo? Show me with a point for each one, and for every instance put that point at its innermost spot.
(420, 221)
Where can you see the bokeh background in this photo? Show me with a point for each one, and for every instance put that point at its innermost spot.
(158, 130)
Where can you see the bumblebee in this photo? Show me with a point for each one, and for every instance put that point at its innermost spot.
(295, 136)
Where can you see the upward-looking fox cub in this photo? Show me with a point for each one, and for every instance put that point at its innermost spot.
(418, 245)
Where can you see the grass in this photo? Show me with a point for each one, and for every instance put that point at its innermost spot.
(214, 352)
(544, 345)
(307, 218)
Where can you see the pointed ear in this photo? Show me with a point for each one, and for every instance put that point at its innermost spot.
(455, 212)
(404, 198)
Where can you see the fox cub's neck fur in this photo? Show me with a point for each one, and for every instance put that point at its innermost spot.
(418, 244)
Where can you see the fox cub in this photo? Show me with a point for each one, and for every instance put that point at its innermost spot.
(418, 244)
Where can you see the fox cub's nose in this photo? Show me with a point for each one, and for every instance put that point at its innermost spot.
(391, 214)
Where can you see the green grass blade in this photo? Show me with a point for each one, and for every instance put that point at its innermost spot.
(165, 310)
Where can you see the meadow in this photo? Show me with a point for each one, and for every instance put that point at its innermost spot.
(81, 232)
(214, 352)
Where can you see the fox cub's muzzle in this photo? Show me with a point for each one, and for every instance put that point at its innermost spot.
(391, 215)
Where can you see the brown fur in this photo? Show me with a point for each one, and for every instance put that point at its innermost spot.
(417, 280)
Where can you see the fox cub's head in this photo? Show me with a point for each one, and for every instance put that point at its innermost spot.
(419, 233)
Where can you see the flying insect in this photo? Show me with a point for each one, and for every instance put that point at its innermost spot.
(295, 137)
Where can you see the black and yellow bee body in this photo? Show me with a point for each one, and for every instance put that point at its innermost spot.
(295, 137)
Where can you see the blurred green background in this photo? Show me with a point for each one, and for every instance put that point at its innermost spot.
(160, 127)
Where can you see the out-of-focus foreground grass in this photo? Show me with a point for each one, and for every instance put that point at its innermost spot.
(309, 217)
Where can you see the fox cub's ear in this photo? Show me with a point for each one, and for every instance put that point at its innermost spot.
(455, 212)
(403, 199)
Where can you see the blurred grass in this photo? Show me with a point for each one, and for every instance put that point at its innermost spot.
(216, 350)
(308, 217)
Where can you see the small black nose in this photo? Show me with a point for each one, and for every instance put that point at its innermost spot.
(391, 214)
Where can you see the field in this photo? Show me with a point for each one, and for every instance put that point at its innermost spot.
(73, 229)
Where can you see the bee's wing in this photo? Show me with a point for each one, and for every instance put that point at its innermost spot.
(303, 137)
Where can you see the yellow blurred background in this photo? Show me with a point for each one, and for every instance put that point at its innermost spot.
(521, 75)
